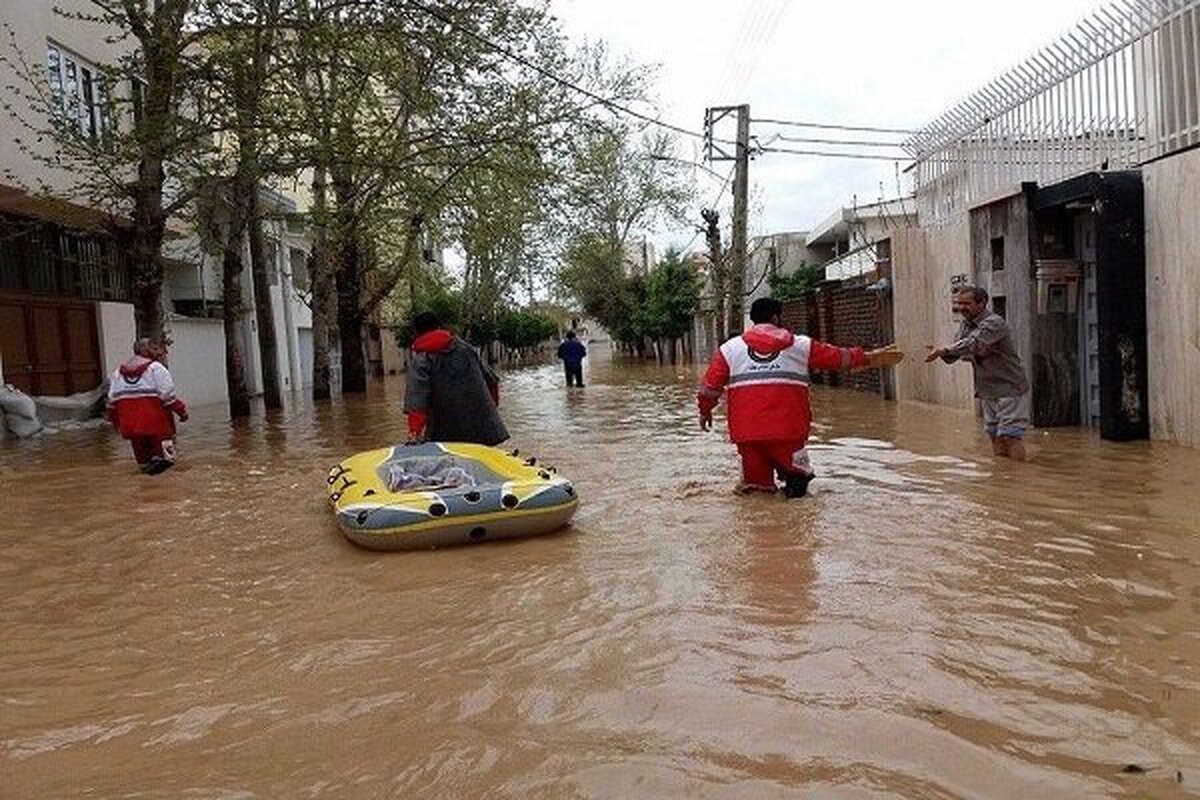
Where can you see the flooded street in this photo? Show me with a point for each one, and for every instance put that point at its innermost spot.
(928, 623)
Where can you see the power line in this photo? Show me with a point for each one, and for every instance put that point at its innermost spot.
(713, 204)
(509, 54)
(738, 47)
(724, 186)
(827, 154)
(831, 126)
(856, 142)
(761, 38)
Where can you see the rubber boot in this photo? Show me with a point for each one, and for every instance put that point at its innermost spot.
(796, 485)
(158, 465)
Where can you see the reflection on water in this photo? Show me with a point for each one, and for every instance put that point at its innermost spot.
(928, 624)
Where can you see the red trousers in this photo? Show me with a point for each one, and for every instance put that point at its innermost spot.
(760, 461)
(148, 447)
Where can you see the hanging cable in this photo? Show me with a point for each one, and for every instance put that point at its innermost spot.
(855, 142)
(519, 59)
(830, 126)
(827, 154)
(713, 204)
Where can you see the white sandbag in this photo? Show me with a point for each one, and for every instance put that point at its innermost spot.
(20, 412)
(73, 408)
(21, 427)
(14, 401)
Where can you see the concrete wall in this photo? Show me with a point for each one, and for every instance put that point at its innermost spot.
(197, 360)
(923, 262)
(1172, 196)
(116, 334)
(305, 340)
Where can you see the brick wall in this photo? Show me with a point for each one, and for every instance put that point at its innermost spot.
(842, 313)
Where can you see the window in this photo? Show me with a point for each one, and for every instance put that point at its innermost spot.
(1000, 305)
(997, 253)
(79, 92)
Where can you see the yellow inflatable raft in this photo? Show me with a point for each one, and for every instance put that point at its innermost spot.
(435, 494)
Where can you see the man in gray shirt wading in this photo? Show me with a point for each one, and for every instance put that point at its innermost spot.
(1000, 381)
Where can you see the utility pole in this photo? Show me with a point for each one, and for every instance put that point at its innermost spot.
(735, 266)
(741, 181)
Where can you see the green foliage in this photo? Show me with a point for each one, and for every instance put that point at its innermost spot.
(618, 182)
(796, 285)
(444, 302)
(522, 330)
(672, 298)
(659, 305)
(592, 272)
(515, 329)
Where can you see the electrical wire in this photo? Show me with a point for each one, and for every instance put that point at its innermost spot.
(713, 204)
(738, 46)
(827, 154)
(519, 59)
(855, 142)
(724, 186)
(762, 38)
(830, 126)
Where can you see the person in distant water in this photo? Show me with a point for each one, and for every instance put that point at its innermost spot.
(451, 395)
(143, 406)
(572, 352)
(765, 371)
(1000, 380)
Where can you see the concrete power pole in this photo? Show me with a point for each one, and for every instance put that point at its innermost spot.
(735, 263)
(736, 284)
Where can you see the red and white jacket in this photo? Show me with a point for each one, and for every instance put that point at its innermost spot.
(141, 399)
(765, 371)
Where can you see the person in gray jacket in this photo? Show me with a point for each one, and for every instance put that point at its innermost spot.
(451, 395)
(1000, 380)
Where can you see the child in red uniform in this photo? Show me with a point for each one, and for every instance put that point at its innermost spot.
(141, 402)
(766, 372)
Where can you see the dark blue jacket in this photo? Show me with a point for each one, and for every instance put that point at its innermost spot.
(572, 351)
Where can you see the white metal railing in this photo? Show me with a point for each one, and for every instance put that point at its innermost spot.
(1120, 89)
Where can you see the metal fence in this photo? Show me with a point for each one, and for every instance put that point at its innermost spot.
(1120, 89)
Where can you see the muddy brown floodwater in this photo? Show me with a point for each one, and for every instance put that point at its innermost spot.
(927, 624)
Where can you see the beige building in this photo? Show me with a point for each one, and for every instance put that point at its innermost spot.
(638, 256)
(65, 316)
(66, 319)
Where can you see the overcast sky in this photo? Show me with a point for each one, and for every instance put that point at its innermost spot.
(874, 63)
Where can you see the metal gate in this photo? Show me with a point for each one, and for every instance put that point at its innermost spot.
(1089, 325)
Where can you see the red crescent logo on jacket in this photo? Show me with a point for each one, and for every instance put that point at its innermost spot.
(761, 358)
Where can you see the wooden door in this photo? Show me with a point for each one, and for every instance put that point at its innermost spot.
(50, 347)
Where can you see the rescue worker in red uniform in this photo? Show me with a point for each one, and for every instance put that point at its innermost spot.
(765, 372)
(143, 406)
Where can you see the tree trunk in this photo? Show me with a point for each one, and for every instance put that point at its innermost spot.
(268, 347)
(349, 286)
(147, 267)
(716, 257)
(235, 367)
(350, 316)
(321, 274)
